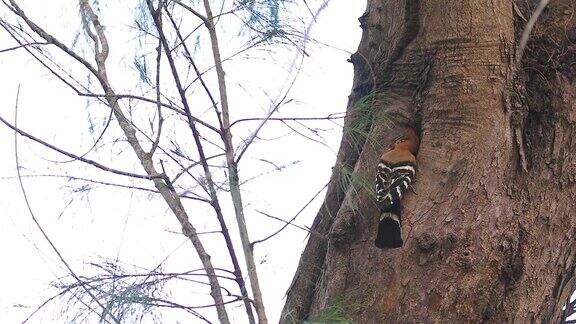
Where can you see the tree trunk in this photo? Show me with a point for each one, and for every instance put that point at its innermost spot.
(490, 230)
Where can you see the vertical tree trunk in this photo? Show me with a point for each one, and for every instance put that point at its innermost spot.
(492, 230)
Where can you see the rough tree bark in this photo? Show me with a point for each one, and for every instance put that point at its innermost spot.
(492, 232)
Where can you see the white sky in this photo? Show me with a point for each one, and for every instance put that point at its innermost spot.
(135, 227)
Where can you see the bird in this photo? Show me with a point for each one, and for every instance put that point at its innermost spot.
(395, 174)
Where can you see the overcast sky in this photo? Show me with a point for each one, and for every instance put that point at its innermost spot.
(93, 223)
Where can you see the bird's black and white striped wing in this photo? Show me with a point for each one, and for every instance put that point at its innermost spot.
(382, 180)
(392, 181)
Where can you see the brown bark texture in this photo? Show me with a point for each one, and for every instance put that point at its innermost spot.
(490, 231)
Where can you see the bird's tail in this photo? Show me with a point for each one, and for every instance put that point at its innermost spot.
(389, 231)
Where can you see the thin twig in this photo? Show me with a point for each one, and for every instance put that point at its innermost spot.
(274, 109)
(329, 117)
(275, 169)
(193, 164)
(188, 56)
(44, 303)
(96, 142)
(305, 229)
(194, 12)
(292, 219)
(49, 38)
(41, 229)
(105, 183)
(9, 29)
(158, 105)
(171, 107)
(76, 157)
(22, 45)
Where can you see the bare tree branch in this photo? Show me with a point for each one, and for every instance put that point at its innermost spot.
(186, 169)
(21, 46)
(76, 157)
(233, 169)
(292, 219)
(105, 183)
(49, 38)
(171, 107)
(329, 117)
(194, 12)
(158, 105)
(207, 172)
(9, 29)
(306, 229)
(188, 56)
(163, 185)
(272, 111)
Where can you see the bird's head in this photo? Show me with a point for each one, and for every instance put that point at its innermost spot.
(408, 141)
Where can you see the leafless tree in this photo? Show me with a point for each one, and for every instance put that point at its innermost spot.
(166, 28)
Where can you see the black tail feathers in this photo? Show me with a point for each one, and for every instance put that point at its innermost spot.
(389, 231)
